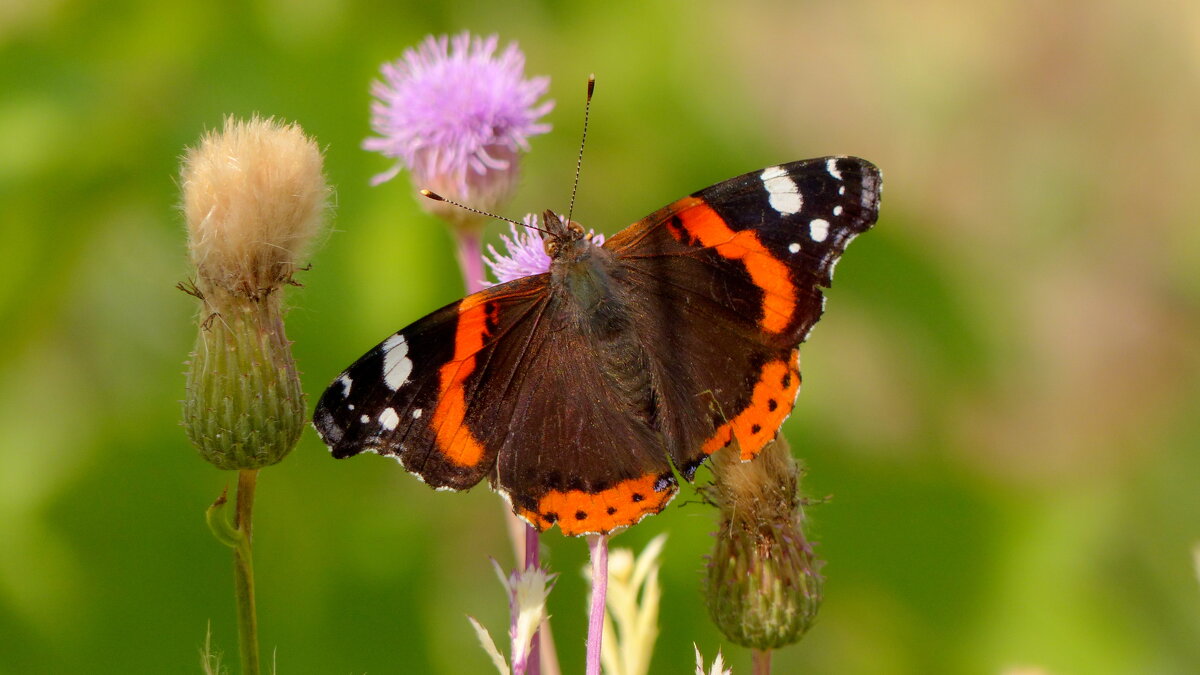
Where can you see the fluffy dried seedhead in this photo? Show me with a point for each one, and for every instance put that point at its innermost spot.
(253, 196)
(763, 583)
(758, 491)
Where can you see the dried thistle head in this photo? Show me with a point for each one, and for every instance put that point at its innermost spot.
(756, 491)
(764, 582)
(254, 198)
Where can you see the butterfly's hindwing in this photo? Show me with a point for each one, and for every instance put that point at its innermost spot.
(571, 451)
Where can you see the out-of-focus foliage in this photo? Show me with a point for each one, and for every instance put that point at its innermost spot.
(1001, 398)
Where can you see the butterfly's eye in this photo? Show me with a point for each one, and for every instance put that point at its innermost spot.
(575, 228)
(551, 246)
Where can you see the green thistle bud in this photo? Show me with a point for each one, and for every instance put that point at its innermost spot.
(244, 407)
(763, 584)
(254, 195)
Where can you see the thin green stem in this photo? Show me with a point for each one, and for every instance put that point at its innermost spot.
(243, 572)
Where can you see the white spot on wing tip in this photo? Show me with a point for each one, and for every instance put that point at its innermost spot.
(837, 210)
(782, 191)
(831, 167)
(396, 364)
(794, 247)
(417, 413)
(818, 229)
(364, 419)
(346, 382)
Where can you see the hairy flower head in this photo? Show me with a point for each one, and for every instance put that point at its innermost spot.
(253, 197)
(456, 114)
(527, 590)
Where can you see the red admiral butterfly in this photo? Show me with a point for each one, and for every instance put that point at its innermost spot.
(574, 391)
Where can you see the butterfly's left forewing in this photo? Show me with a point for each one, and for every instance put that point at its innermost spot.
(411, 397)
(730, 284)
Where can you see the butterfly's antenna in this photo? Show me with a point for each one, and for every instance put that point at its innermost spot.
(438, 198)
(587, 107)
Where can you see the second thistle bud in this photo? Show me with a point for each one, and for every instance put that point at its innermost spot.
(763, 585)
(253, 197)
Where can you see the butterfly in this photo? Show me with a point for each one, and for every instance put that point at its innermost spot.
(580, 392)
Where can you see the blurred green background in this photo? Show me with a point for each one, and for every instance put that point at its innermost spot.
(1002, 398)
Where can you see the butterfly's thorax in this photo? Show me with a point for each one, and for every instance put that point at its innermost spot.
(582, 277)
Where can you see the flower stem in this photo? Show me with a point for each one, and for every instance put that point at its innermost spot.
(761, 661)
(243, 571)
(598, 546)
(469, 259)
(531, 562)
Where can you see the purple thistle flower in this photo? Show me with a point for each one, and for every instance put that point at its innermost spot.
(456, 115)
(526, 252)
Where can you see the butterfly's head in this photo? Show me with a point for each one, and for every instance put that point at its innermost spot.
(567, 238)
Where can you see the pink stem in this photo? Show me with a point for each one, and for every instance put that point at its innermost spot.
(598, 546)
(531, 562)
(470, 261)
(761, 661)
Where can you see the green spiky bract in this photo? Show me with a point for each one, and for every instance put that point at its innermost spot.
(244, 407)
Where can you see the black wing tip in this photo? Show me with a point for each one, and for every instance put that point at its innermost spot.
(870, 179)
(865, 165)
(333, 434)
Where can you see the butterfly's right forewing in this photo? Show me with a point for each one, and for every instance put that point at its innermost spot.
(730, 282)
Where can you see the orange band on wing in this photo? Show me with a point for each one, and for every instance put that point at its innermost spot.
(454, 439)
(772, 401)
(578, 512)
(766, 271)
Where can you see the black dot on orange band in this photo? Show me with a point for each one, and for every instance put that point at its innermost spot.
(787, 380)
(637, 497)
(581, 515)
(612, 510)
(772, 405)
(755, 428)
(551, 517)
